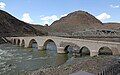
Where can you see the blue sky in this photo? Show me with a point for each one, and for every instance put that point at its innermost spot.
(47, 11)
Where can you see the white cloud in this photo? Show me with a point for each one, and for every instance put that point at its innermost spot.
(41, 16)
(103, 16)
(53, 17)
(63, 15)
(27, 18)
(2, 5)
(49, 19)
(114, 6)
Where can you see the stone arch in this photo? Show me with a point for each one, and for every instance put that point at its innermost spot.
(33, 41)
(69, 47)
(84, 51)
(18, 42)
(48, 45)
(105, 51)
(23, 43)
(14, 41)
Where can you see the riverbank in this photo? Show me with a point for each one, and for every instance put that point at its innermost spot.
(92, 65)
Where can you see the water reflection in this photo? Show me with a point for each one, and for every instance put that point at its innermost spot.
(43, 53)
(14, 59)
(35, 46)
(61, 59)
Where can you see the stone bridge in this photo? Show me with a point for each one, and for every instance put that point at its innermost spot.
(63, 43)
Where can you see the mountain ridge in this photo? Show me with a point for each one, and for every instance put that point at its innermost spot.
(76, 21)
(73, 22)
(11, 26)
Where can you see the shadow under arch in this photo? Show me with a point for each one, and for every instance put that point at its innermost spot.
(14, 42)
(33, 44)
(105, 51)
(23, 43)
(84, 51)
(68, 49)
(49, 45)
(18, 42)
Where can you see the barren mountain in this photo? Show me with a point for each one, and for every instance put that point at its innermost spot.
(111, 26)
(10, 26)
(76, 21)
(73, 22)
(41, 28)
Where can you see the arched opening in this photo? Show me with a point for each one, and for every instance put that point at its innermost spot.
(18, 42)
(23, 43)
(68, 49)
(33, 44)
(84, 51)
(50, 45)
(14, 42)
(105, 51)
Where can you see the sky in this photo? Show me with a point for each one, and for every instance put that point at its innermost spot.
(47, 11)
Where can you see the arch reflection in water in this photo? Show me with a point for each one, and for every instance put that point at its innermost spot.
(62, 58)
(43, 53)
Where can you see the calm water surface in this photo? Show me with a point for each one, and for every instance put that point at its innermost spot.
(16, 60)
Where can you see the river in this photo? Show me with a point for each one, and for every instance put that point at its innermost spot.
(16, 60)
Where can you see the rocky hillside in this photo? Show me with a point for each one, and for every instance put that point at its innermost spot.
(41, 28)
(76, 21)
(112, 26)
(10, 26)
